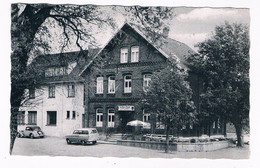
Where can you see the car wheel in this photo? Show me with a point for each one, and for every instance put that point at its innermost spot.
(83, 143)
(68, 141)
(19, 135)
(31, 136)
(94, 142)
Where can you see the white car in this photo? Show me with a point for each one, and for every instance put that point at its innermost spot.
(83, 136)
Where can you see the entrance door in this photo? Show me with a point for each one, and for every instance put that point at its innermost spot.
(125, 117)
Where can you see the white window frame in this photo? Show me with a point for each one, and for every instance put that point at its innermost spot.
(99, 117)
(146, 81)
(100, 83)
(127, 84)
(111, 84)
(146, 117)
(135, 54)
(124, 55)
(111, 118)
(51, 91)
(214, 125)
(71, 90)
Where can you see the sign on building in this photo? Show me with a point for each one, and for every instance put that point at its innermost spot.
(126, 108)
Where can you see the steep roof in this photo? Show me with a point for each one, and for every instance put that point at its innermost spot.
(166, 46)
(174, 47)
(43, 62)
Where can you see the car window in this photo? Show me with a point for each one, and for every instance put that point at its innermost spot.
(76, 132)
(94, 131)
(28, 128)
(84, 132)
(37, 129)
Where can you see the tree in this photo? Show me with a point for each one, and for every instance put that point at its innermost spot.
(168, 99)
(222, 63)
(31, 22)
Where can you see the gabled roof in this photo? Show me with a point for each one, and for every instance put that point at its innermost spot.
(166, 46)
(43, 62)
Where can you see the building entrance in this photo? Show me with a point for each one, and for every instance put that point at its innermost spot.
(125, 117)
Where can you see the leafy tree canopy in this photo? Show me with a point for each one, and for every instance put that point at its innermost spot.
(223, 64)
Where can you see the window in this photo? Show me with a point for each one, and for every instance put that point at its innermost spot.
(32, 117)
(32, 93)
(111, 84)
(99, 85)
(124, 55)
(127, 84)
(51, 117)
(99, 118)
(214, 124)
(57, 71)
(68, 115)
(21, 117)
(52, 91)
(135, 54)
(71, 90)
(159, 123)
(147, 81)
(73, 114)
(111, 118)
(146, 117)
(49, 72)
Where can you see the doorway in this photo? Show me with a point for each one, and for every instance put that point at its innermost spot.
(125, 117)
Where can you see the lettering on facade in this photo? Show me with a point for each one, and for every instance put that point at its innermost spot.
(126, 108)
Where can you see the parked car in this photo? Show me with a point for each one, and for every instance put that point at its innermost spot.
(31, 131)
(83, 136)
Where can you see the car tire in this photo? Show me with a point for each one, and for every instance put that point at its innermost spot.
(83, 143)
(31, 136)
(94, 142)
(19, 135)
(68, 141)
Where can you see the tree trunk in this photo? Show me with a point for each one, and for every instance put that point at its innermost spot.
(238, 128)
(13, 127)
(167, 139)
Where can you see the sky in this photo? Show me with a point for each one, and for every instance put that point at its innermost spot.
(193, 25)
(189, 25)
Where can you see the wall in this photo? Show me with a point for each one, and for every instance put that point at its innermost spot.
(150, 60)
(61, 103)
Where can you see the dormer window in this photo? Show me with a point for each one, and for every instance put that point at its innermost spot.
(55, 71)
(135, 54)
(124, 55)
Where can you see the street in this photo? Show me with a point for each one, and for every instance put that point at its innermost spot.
(54, 146)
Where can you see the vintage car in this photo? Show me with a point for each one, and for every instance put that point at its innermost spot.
(83, 136)
(31, 131)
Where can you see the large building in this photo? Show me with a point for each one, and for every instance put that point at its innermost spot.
(56, 103)
(101, 88)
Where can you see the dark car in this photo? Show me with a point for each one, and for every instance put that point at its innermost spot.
(31, 132)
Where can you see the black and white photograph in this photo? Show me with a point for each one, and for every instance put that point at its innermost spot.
(145, 81)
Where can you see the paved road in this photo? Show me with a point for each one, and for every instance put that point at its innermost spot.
(53, 146)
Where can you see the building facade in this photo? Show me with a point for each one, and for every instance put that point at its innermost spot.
(113, 92)
(102, 87)
(56, 102)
